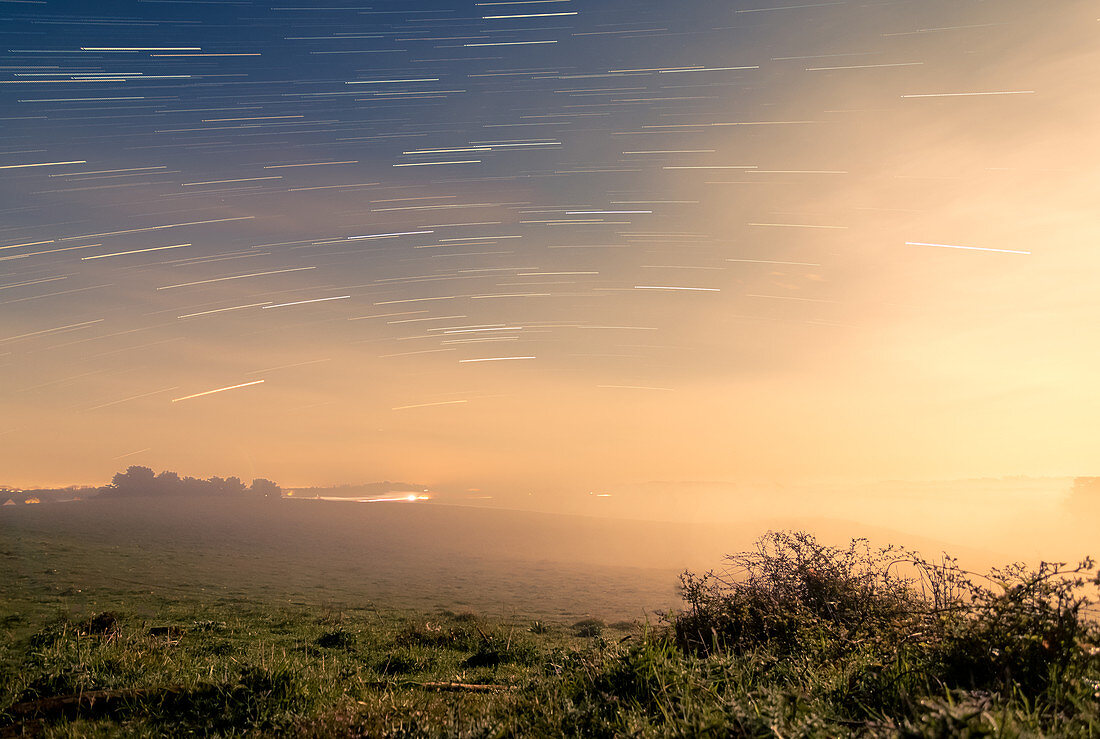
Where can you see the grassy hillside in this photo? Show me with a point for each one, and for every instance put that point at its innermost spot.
(401, 556)
(124, 620)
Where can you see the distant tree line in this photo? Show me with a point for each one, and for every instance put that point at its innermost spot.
(143, 482)
(20, 496)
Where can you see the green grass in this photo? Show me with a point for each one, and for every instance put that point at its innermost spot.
(806, 640)
(250, 668)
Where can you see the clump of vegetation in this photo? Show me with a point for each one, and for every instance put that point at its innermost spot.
(899, 629)
(791, 594)
(462, 636)
(1017, 629)
(403, 662)
(499, 648)
(588, 627)
(337, 639)
(103, 624)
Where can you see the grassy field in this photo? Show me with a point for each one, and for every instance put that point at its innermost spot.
(135, 620)
(103, 554)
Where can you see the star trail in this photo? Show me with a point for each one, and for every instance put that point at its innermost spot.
(449, 241)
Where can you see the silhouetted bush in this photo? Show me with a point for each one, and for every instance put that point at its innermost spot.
(792, 592)
(1026, 630)
(907, 624)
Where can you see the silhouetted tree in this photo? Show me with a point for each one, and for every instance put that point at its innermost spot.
(193, 486)
(266, 489)
(134, 481)
(167, 483)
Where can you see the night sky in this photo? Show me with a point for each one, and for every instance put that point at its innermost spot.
(551, 245)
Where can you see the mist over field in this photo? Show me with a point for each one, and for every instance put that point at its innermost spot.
(591, 368)
(400, 545)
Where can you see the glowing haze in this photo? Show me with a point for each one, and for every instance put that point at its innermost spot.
(549, 246)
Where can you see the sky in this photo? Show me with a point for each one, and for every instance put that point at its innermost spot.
(553, 246)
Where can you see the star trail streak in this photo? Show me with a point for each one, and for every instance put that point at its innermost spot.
(219, 390)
